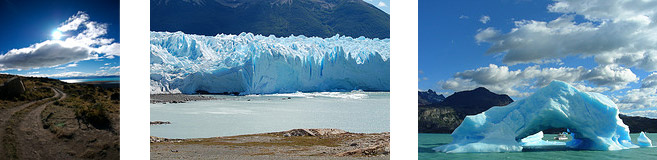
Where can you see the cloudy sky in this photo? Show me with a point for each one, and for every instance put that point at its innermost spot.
(516, 46)
(59, 39)
(384, 5)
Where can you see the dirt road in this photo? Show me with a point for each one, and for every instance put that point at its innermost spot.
(22, 134)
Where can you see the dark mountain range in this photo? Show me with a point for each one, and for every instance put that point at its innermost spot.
(445, 116)
(429, 97)
(282, 18)
(475, 101)
(638, 124)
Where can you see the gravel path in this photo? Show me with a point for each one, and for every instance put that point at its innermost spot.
(23, 136)
(5, 116)
(35, 142)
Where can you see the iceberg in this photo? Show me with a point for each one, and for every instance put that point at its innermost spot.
(644, 141)
(592, 119)
(537, 140)
(256, 64)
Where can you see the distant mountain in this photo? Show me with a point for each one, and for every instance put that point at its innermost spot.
(321, 18)
(445, 116)
(475, 101)
(638, 124)
(429, 97)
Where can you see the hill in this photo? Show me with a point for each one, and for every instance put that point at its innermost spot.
(282, 18)
(445, 116)
(429, 97)
(58, 120)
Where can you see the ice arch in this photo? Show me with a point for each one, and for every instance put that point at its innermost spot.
(592, 117)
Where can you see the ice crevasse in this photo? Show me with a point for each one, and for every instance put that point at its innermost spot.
(592, 119)
(256, 64)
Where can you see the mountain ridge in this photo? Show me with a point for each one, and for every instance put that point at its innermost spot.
(282, 18)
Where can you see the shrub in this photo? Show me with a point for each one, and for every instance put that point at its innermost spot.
(96, 115)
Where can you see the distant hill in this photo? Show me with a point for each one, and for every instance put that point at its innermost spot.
(638, 124)
(321, 18)
(429, 97)
(475, 101)
(445, 116)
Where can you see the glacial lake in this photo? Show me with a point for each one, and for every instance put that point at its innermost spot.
(428, 141)
(81, 80)
(361, 112)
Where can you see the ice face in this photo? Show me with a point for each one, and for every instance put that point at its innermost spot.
(254, 64)
(537, 140)
(591, 117)
(644, 141)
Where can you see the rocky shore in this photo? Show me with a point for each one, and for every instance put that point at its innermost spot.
(178, 98)
(291, 144)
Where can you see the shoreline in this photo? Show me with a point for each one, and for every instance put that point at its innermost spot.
(178, 98)
(291, 144)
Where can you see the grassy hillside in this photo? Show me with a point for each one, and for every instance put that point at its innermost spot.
(87, 120)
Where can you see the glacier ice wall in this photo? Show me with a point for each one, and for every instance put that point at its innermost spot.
(591, 117)
(254, 64)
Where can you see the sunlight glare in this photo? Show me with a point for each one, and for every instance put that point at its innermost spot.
(57, 34)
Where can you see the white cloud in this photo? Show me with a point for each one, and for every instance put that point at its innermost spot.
(614, 32)
(108, 67)
(637, 99)
(464, 17)
(73, 22)
(381, 4)
(72, 65)
(650, 81)
(500, 79)
(44, 54)
(484, 19)
(113, 49)
(88, 44)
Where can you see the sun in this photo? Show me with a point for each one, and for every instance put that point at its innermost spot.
(56, 34)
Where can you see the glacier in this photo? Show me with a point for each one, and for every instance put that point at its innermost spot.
(592, 119)
(256, 64)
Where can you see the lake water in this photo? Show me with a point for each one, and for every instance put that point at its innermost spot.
(362, 112)
(428, 141)
(80, 80)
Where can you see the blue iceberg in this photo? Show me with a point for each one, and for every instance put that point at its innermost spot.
(255, 64)
(644, 141)
(592, 118)
(537, 140)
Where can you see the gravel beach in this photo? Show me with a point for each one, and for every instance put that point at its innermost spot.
(178, 98)
(292, 144)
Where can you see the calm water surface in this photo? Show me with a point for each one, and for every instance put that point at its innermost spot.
(428, 141)
(363, 112)
(112, 79)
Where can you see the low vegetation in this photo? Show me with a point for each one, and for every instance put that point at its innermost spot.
(87, 120)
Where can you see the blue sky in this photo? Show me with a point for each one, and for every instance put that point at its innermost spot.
(60, 38)
(384, 5)
(516, 46)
